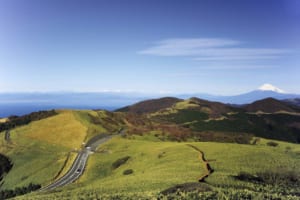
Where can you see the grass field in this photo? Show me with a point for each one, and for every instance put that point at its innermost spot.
(39, 149)
(159, 165)
(62, 129)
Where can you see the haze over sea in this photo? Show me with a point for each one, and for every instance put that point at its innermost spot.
(7, 110)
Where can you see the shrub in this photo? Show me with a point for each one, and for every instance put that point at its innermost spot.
(127, 171)
(160, 155)
(25, 119)
(272, 144)
(282, 177)
(5, 165)
(120, 162)
(244, 176)
(5, 194)
(255, 141)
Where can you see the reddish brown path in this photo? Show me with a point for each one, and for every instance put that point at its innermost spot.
(208, 169)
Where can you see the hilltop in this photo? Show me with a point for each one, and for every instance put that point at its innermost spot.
(294, 101)
(271, 105)
(205, 120)
(149, 106)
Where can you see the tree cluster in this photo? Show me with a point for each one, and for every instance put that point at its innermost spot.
(5, 194)
(14, 121)
(5, 165)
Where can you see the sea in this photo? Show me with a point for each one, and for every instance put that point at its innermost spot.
(20, 109)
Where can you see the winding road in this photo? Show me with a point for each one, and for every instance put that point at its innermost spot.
(79, 164)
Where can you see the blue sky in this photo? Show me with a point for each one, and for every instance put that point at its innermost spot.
(219, 47)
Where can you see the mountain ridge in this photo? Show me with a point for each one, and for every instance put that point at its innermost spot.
(197, 118)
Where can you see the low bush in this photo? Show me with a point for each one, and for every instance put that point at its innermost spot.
(255, 141)
(5, 194)
(282, 177)
(272, 144)
(127, 171)
(187, 187)
(119, 162)
(279, 177)
(5, 165)
(244, 176)
(160, 155)
(25, 119)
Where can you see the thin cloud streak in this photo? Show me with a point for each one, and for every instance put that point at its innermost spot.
(205, 49)
(233, 58)
(191, 74)
(238, 67)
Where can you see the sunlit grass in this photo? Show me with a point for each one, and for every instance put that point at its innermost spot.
(156, 165)
(39, 150)
(159, 165)
(62, 129)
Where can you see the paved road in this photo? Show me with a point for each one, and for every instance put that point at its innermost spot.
(79, 164)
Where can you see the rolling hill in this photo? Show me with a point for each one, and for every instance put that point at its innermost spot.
(158, 166)
(150, 106)
(294, 101)
(271, 105)
(162, 142)
(204, 120)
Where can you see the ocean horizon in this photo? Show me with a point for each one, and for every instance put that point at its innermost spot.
(20, 109)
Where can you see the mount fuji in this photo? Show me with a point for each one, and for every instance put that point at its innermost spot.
(269, 87)
(265, 91)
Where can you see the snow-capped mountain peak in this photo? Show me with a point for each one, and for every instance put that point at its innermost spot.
(269, 87)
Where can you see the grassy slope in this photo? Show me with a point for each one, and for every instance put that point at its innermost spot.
(85, 118)
(156, 165)
(197, 118)
(39, 150)
(179, 164)
(230, 159)
(63, 130)
(98, 122)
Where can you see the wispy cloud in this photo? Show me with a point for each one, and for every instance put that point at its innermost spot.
(188, 74)
(238, 67)
(211, 49)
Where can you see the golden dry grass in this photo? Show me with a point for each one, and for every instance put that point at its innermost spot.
(62, 129)
(39, 149)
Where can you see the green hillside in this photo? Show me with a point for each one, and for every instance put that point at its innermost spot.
(159, 152)
(277, 121)
(39, 150)
(157, 166)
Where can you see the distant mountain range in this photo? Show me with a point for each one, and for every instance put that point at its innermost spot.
(22, 103)
(265, 91)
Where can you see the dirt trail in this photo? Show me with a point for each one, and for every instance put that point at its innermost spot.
(208, 169)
